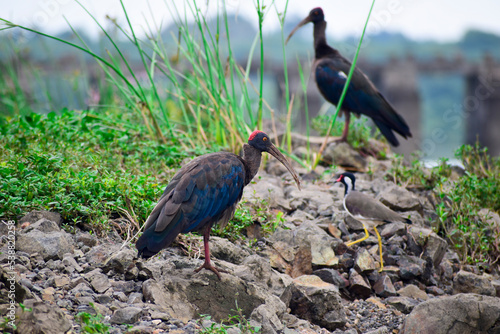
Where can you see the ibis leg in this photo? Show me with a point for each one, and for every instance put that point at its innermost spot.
(380, 249)
(207, 264)
(346, 126)
(359, 240)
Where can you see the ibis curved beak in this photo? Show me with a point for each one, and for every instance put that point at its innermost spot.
(301, 23)
(273, 150)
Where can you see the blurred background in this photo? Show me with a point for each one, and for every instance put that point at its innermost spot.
(436, 62)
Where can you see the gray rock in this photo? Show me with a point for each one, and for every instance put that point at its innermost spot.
(82, 289)
(331, 276)
(295, 250)
(120, 261)
(342, 154)
(120, 296)
(322, 250)
(100, 282)
(123, 286)
(184, 294)
(358, 284)
(52, 245)
(99, 254)
(318, 302)
(20, 290)
(364, 262)
(400, 199)
(467, 282)
(104, 299)
(380, 330)
(87, 239)
(43, 225)
(35, 216)
(403, 304)
(434, 246)
(127, 315)
(268, 315)
(410, 267)
(383, 287)
(42, 318)
(462, 313)
(353, 224)
(141, 329)
(70, 263)
(311, 199)
(269, 189)
(298, 217)
(225, 250)
(397, 228)
(257, 270)
(135, 298)
(496, 285)
(413, 291)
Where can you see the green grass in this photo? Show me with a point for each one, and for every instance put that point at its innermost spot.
(87, 168)
(84, 166)
(359, 135)
(475, 240)
(458, 200)
(416, 176)
(248, 214)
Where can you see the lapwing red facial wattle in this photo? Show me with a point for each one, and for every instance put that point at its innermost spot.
(367, 210)
(330, 69)
(203, 192)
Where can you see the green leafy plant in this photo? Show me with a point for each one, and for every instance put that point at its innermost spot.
(92, 323)
(237, 321)
(478, 188)
(415, 175)
(359, 133)
(8, 324)
(248, 214)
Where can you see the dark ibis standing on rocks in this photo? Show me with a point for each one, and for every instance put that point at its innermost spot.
(367, 210)
(203, 192)
(331, 70)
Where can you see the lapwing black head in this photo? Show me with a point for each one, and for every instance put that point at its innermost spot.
(348, 180)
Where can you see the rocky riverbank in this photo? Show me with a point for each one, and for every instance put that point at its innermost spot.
(301, 279)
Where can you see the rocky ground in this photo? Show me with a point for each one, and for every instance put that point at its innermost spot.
(301, 279)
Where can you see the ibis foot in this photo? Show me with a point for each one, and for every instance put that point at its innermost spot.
(208, 266)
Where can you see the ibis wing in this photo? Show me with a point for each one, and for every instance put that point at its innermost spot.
(362, 96)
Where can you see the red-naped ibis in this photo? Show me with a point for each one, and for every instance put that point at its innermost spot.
(367, 210)
(203, 192)
(331, 69)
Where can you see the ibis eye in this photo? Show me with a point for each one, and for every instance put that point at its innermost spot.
(264, 139)
(315, 13)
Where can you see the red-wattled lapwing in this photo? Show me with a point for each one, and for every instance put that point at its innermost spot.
(367, 210)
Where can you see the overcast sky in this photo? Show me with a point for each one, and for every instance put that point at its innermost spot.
(443, 20)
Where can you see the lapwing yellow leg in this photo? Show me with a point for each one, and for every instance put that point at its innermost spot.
(380, 249)
(349, 244)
